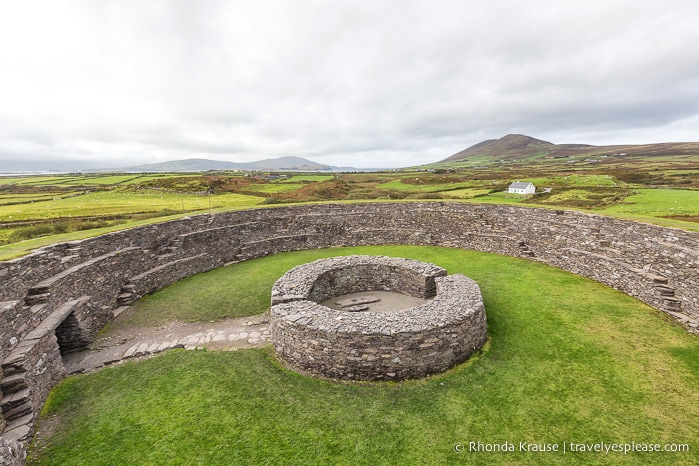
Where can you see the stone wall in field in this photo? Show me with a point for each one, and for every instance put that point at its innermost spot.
(93, 277)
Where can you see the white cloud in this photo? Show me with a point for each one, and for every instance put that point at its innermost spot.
(360, 83)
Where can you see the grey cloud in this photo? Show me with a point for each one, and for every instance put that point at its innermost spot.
(348, 83)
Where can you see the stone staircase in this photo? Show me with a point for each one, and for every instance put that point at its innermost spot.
(525, 249)
(30, 371)
(17, 406)
(126, 295)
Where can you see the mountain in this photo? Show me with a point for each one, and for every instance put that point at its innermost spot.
(186, 165)
(519, 146)
(288, 163)
(512, 145)
(200, 165)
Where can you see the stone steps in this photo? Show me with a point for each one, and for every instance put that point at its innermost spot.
(41, 292)
(125, 299)
(17, 404)
(525, 249)
(20, 429)
(13, 383)
(16, 401)
(22, 381)
(18, 411)
(671, 302)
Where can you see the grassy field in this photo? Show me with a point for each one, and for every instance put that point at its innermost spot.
(121, 203)
(568, 360)
(306, 178)
(659, 203)
(427, 187)
(35, 180)
(576, 180)
(468, 193)
(83, 180)
(15, 199)
(275, 187)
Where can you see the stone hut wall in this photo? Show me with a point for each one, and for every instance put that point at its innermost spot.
(659, 266)
(396, 345)
(323, 279)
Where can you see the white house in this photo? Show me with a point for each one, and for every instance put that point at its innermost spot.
(521, 187)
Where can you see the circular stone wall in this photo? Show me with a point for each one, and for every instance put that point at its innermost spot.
(400, 344)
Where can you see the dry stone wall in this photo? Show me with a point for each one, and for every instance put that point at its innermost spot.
(323, 279)
(659, 266)
(395, 345)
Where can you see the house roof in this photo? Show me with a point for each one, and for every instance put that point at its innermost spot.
(519, 185)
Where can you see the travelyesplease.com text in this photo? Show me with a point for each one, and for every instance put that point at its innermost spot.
(570, 447)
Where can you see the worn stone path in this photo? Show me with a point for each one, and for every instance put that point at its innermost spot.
(125, 343)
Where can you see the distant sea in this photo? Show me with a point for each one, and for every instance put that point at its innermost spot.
(32, 173)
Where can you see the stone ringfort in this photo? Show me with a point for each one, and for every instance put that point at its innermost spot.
(56, 299)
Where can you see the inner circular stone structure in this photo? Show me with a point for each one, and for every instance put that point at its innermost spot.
(352, 342)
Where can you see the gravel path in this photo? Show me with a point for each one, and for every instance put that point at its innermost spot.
(126, 342)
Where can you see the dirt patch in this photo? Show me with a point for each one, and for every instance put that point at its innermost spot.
(685, 218)
(387, 301)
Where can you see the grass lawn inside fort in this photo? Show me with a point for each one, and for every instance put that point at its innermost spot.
(568, 361)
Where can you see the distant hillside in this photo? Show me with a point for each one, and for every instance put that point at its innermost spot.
(512, 145)
(287, 163)
(199, 165)
(518, 146)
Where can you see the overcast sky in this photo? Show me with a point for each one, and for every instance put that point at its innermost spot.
(376, 83)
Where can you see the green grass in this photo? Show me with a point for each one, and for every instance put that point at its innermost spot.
(83, 180)
(154, 176)
(305, 178)
(430, 188)
(6, 199)
(659, 202)
(274, 187)
(467, 193)
(504, 198)
(122, 202)
(575, 180)
(568, 360)
(37, 180)
(97, 180)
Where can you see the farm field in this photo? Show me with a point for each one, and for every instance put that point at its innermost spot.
(272, 188)
(659, 203)
(568, 362)
(105, 203)
(306, 178)
(82, 180)
(416, 185)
